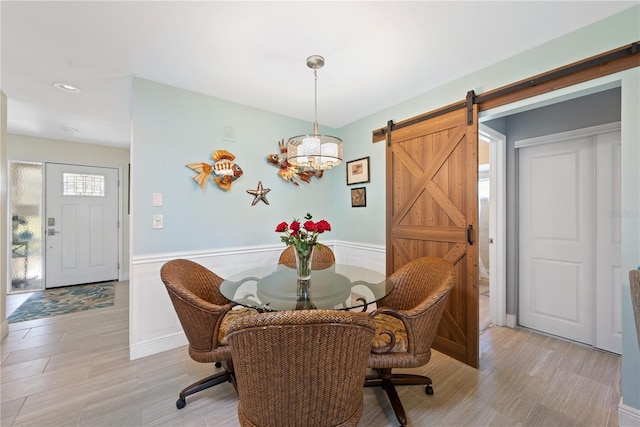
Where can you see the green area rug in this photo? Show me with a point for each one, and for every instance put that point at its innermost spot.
(70, 299)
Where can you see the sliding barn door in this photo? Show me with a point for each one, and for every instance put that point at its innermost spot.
(432, 209)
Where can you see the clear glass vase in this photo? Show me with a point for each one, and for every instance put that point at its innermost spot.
(303, 263)
(304, 296)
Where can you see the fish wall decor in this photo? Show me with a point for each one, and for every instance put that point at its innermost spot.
(289, 172)
(224, 170)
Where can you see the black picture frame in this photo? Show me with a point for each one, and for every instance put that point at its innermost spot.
(358, 171)
(359, 197)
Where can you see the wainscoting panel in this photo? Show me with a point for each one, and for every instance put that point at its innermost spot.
(153, 323)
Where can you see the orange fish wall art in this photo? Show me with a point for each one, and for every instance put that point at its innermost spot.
(288, 172)
(224, 170)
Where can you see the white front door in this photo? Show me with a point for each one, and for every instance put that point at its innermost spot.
(567, 284)
(81, 224)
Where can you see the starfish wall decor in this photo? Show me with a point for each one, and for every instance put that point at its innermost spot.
(260, 194)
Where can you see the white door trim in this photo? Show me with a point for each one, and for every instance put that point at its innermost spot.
(497, 225)
(572, 134)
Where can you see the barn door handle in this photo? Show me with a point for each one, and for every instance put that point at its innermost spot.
(470, 234)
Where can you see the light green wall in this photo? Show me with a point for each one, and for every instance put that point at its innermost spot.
(174, 127)
(32, 149)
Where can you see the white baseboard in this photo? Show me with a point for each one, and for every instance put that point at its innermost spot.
(511, 320)
(158, 345)
(628, 416)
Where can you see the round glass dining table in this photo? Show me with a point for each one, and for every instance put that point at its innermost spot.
(276, 288)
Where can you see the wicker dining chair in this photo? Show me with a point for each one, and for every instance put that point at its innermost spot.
(301, 368)
(406, 323)
(205, 316)
(322, 257)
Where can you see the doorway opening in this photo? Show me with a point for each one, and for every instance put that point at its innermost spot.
(589, 104)
(491, 227)
(484, 212)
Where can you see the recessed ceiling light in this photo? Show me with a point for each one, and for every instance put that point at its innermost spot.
(66, 87)
(70, 129)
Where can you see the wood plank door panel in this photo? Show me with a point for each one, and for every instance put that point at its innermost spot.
(431, 203)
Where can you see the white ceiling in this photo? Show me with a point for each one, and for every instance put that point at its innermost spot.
(377, 54)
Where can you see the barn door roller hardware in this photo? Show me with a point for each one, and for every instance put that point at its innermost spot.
(471, 99)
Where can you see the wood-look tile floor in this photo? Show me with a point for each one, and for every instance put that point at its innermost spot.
(74, 370)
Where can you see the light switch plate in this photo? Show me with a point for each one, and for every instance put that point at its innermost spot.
(158, 221)
(157, 199)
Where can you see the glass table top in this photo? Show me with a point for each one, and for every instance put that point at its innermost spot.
(275, 288)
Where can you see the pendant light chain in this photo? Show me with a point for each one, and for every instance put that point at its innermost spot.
(315, 97)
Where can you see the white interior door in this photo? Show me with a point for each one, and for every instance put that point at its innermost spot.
(569, 253)
(557, 238)
(81, 224)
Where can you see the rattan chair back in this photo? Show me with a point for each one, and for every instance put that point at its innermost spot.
(406, 324)
(322, 257)
(203, 313)
(301, 368)
(420, 290)
(195, 293)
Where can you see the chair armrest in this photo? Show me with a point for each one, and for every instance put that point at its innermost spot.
(393, 313)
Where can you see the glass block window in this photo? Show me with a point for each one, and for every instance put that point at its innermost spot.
(25, 205)
(77, 184)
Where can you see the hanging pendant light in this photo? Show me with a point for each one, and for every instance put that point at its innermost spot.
(314, 151)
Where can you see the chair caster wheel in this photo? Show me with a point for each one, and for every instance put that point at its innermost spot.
(180, 403)
(218, 365)
(429, 390)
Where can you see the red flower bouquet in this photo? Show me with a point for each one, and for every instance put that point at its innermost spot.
(303, 237)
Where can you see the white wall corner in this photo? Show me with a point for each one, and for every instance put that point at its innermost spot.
(4, 328)
(628, 416)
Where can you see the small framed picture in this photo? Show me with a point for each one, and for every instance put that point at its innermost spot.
(358, 197)
(358, 171)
